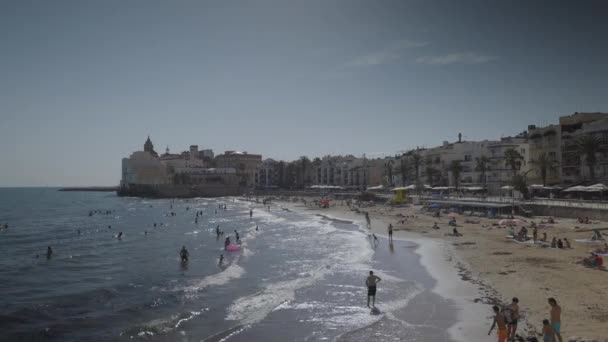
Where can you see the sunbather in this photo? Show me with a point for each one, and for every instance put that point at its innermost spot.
(602, 250)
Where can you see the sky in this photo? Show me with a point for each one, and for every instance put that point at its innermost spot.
(83, 83)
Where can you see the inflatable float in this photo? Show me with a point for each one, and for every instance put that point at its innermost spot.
(233, 248)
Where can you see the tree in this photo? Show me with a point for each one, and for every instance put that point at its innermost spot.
(429, 170)
(303, 166)
(513, 160)
(543, 164)
(417, 162)
(404, 169)
(483, 166)
(588, 146)
(388, 171)
(456, 169)
(520, 183)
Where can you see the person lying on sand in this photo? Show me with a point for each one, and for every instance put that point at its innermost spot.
(602, 250)
(593, 260)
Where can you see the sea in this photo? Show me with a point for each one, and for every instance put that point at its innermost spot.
(299, 276)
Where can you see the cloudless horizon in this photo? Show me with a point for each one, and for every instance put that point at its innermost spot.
(85, 82)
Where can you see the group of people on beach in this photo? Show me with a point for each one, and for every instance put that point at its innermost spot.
(507, 317)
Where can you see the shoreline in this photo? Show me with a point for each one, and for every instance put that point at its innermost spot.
(484, 268)
(436, 259)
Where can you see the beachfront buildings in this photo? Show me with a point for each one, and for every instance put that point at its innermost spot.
(348, 172)
(245, 163)
(186, 174)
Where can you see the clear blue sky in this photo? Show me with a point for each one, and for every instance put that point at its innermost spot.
(82, 83)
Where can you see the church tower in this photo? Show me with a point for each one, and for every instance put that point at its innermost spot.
(148, 147)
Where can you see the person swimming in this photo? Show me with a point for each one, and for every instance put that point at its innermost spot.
(184, 254)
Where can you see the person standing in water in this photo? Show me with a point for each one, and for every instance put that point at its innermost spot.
(184, 254)
(390, 231)
(226, 242)
(49, 252)
(371, 282)
(236, 234)
(250, 213)
(257, 228)
(221, 259)
(368, 220)
(217, 230)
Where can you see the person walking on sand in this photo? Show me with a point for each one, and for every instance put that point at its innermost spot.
(556, 313)
(512, 326)
(371, 282)
(499, 319)
(390, 231)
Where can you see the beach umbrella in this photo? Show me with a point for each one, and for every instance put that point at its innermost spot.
(576, 188)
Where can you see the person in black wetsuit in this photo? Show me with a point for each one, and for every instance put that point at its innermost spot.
(184, 254)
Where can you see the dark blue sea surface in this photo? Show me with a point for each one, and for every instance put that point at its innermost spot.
(299, 278)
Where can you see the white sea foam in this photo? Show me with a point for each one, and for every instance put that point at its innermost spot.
(253, 308)
(233, 271)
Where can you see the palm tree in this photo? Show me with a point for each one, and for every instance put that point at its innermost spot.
(389, 171)
(304, 163)
(483, 166)
(513, 159)
(429, 170)
(544, 163)
(404, 170)
(588, 146)
(456, 169)
(416, 161)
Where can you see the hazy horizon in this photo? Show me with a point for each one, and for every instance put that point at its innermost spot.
(84, 83)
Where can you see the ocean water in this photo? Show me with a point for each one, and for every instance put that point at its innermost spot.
(299, 278)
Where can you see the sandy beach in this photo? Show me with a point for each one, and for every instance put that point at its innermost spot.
(491, 268)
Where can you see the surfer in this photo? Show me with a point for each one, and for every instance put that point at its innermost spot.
(184, 254)
(371, 283)
(49, 252)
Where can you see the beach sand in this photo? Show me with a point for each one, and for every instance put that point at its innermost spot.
(492, 268)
